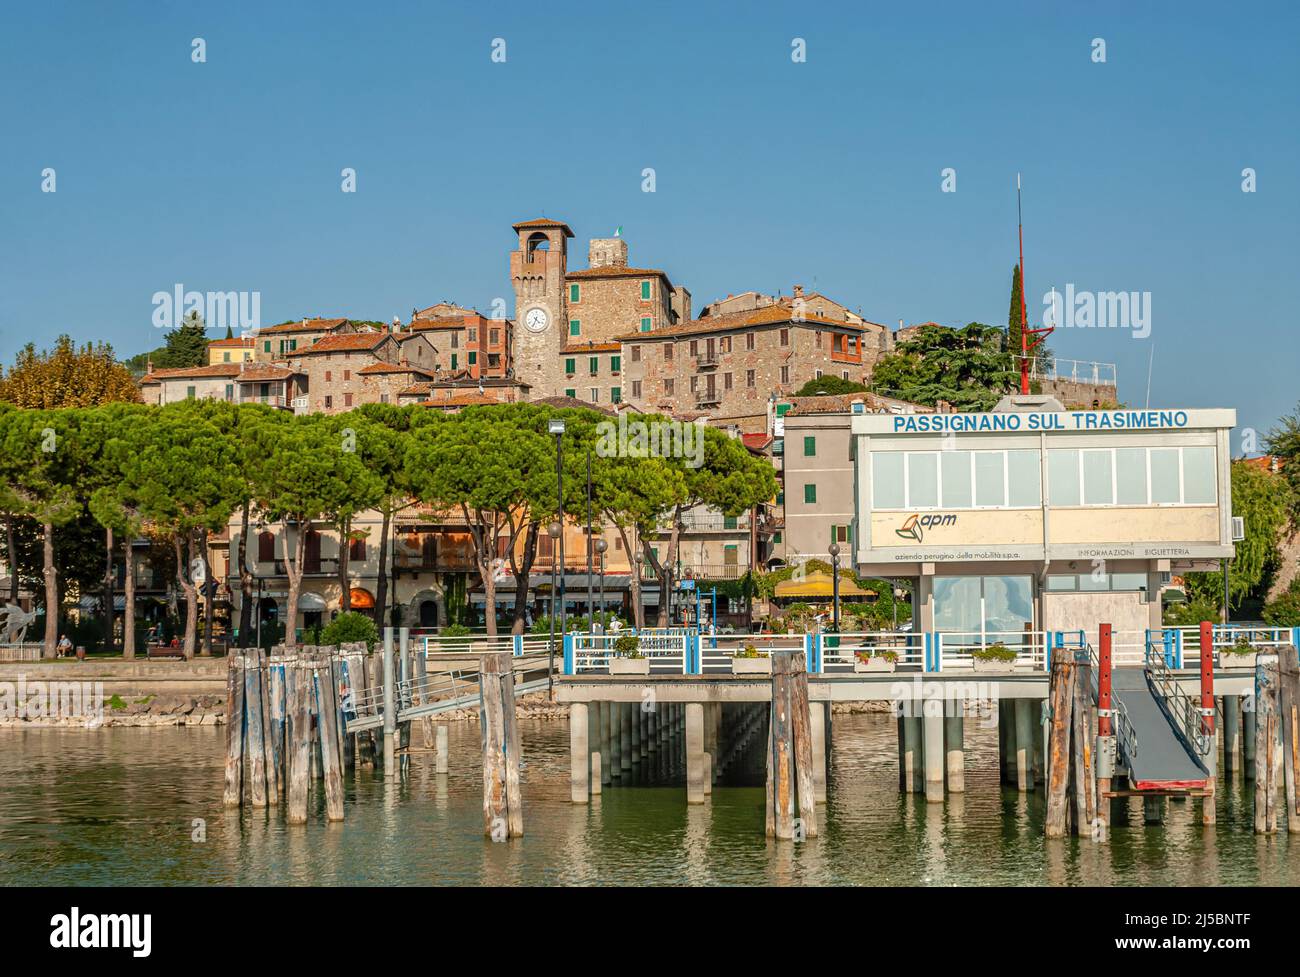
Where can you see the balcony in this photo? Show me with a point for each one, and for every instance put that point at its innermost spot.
(707, 398)
(713, 524)
(708, 361)
(325, 566)
(714, 571)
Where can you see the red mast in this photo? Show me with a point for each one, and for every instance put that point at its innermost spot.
(1025, 331)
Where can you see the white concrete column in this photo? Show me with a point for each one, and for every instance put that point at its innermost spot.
(955, 751)
(579, 753)
(933, 733)
(817, 725)
(695, 753)
(625, 735)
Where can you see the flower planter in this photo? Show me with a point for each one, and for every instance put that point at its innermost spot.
(874, 664)
(1229, 660)
(993, 665)
(629, 666)
(751, 666)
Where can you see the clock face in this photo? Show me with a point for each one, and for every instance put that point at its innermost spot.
(536, 320)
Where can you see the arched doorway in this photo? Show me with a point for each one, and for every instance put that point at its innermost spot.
(428, 613)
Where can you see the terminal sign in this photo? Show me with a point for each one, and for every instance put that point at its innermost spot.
(1091, 420)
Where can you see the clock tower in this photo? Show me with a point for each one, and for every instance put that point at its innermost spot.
(541, 310)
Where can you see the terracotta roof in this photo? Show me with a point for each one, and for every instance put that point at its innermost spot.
(213, 372)
(376, 368)
(304, 325)
(438, 322)
(246, 343)
(345, 342)
(1265, 463)
(572, 402)
(767, 316)
(617, 271)
(757, 442)
(579, 348)
(266, 371)
(840, 404)
(462, 400)
(544, 222)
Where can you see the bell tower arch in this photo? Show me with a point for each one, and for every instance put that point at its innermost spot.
(537, 269)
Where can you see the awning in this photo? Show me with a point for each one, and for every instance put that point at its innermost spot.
(308, 601)
(819, 584)
(362, 599)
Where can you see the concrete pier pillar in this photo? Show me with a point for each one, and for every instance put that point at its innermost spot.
(1153, 810)
(634, 725)
(933, 753)
(817, 726)
(1007, 740)
(902, 756)
(643, 718)
(615, 740)
(652, 731)
(913, 769)
(955, 751)
(440, 763)
(1248, 744)
(579, 753)
(1231, 735)
(626, 712)
(694, 753)
(707, 759)
(602, 721)
(1041, 749)
(1025, 731)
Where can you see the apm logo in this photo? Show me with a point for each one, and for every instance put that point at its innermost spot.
(916, 525)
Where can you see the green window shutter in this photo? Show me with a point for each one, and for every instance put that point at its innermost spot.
(616, 363)
(570, 365)
(615, 395)
(810, 493)
(593, 365)
(776, 537)
(809, 446)
(645, 323)
(728, 522)
(293, 345)
(189, 393)
(645, 290)
(575, 327)
(782, 409)
(780, 497)
(266, 346)
(575, 292)
(473, 358)
(570, 392)
(453, 366)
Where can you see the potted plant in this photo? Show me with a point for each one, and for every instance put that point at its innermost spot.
(1240, 654)
(875, 660)
(626, 658)
(748, 661)
(993, 658)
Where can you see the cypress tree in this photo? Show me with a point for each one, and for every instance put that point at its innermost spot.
(1015, 317)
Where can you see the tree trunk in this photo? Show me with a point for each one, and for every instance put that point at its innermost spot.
(128, 602)
(381, 584)
(293, 571)
(107, 599)
(12, 559)
(522, 574)
(208, 595)
(345, 556)
(50, 646)
(245, 584)
(190, 591)
(634, 578)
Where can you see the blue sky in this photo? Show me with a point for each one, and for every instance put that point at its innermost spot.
(226, 174)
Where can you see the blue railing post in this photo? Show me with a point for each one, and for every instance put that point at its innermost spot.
(930, 652)
(1167, 637)
(568, 654)
(517, 645)
(693, 653)
(1178, 648)
(814, 650)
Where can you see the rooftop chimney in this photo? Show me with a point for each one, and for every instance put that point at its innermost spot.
(607, 252)
(798, 291)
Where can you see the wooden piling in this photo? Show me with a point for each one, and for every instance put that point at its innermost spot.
(275, 730)
(331, 764)
(255, 742)
(1266, 734)
(299, 747)
(1289, 718)
(234, 790)
(1083, 765)
(502, 810)
(1061, 697)
(790, 779)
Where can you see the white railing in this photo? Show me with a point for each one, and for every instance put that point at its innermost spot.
(954, 649)
(667, 651)
(717, 651)
(1128, 647)
(1075, 371)
(840, 651)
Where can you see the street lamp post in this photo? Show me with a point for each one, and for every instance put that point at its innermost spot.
(835, 587)
(637, 560)
(601, 546)
(591, 607)
(553, 530)
(556, 426)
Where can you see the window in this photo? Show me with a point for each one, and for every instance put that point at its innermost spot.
(571, 392)
(817, 339)
(189, 393)
(749, 341)
(695, 383)
(225, 357)
(230, 391)
(785, 374)
(645, 323)
(1198, 476)
(473, 334)
(817, 374)
(1165, 478)
(668, 352)
(922, 479)
(455, 340)
(839, 534)
(636, 389)
(593, 365)
(810, 493)
(266, 346)
(726, 381)
(724, 344)
(575, 293)
(615, 395)
(749, 378)
(494, 337)
(636, 354)
(575, 327)
(357, 550)
(571, 365)
(1130, 476)
(453, 361)
(1098, 477)
(265, 547)
(844, 374)
(955, 479)
(695, 347)
(616, 364)
(1096, 581)
(595, 395)
(645, 290)
(990, 478)
(668, 387)
(347, 400)
(1063, 476)
(785, 337)
(1023, 479)
(329, 402)
(809, 447)
(329, 376)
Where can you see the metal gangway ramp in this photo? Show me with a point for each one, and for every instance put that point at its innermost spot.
(1161, 739)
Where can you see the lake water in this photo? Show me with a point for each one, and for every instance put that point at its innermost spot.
(119, 806)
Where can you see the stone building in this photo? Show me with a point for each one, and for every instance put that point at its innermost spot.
(277, 342)
(212, 382)
(728, 366)
(335, 367)
(561, 310)
(455, 390)
(468, 341)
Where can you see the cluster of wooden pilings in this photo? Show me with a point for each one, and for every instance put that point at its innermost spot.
(1072, 785)
(1274, 740)
(285, 726)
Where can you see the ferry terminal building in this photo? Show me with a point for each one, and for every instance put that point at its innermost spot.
(1033, 518)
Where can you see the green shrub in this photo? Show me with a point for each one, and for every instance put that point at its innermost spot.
(994, 653)
(1284, 612)
(454, 631)
(351, 626)
(628, 646)
(749, 651)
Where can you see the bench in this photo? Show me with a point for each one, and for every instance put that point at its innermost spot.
(163, 651)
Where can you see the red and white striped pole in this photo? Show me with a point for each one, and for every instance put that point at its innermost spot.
(1207, 718)
(1103, 681)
